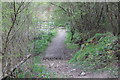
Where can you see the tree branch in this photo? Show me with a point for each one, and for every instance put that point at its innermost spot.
(23, 8)
(59, 7)
(15, 67)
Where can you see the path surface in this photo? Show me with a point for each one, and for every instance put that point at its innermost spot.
(56, 49)
(59, 64)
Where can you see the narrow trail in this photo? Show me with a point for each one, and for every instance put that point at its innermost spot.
(56, 48)
(56, 60)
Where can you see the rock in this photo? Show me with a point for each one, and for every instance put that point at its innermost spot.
(83, 74)
(72, 70)
(51, 64)
(66, 67)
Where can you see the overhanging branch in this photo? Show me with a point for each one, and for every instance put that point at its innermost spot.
(59, 7)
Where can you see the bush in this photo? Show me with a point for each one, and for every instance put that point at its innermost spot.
(70, 43)
(42, 40)
(97, 52)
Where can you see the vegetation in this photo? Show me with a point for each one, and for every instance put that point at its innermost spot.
(28, 28)
(41, 41)
(97, 54)
(69, 43)
(34, 69)
(22, 35)
(92, 28)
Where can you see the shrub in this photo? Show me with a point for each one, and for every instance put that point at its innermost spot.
(97, 53)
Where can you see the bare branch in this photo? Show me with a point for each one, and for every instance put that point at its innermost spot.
(19, 7)
(59, 7)
(23, 8)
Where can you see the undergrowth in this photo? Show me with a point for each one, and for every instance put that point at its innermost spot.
(70, 43)
(97, 54)
(32, 68)
(41, 41)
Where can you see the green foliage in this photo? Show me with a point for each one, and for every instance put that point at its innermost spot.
(42, 42)
(68, 37)
(37, 70)
(72, 45)
(60, 17)
(1, 57)
(97, 54)
(69, 43)
(40, 70)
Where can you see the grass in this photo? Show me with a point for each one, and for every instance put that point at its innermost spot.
(35, 70)
(40, 71)
(96, 55)
(102, 47)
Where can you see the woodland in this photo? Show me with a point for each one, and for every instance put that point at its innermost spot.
(91, 31)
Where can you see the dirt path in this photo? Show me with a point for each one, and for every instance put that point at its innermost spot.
(65, 70)
(56, 58)
(57, 49)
